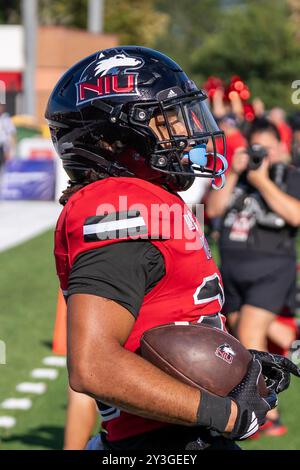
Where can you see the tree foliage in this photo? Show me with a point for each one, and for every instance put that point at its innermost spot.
(189, 24)
(9, 11)
(255, 41)
(67, 13)
(135, 21)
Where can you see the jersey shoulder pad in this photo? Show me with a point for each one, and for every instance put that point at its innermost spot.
(116, 209)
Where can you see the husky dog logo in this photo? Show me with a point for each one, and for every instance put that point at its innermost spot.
(110, 74)
(115, 63)
(225, 352)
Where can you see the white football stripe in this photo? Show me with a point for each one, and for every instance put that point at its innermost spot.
(32, 387)
(7, 422)
(101, 227)
(58, 361)
(50, 374)
(16, 404)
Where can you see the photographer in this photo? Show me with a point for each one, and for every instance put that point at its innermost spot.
(260, 211)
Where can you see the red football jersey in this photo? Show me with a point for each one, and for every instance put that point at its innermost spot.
(116, 209)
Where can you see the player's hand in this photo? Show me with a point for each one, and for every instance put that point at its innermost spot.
(276, 369)
(252, 408)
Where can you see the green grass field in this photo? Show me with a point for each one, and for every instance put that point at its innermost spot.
(28, 289)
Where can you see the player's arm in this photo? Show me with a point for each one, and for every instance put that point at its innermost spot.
(101, 367)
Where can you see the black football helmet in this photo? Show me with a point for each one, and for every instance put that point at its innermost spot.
(101, 115)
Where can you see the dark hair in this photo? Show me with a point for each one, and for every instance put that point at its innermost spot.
(260, 125)
(90, 176)
(294, 121)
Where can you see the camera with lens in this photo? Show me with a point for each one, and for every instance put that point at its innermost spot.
(256, 154)
(277, 171)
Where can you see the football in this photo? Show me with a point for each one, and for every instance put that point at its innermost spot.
(201, 356)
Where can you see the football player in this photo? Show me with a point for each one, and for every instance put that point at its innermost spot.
(132, 130)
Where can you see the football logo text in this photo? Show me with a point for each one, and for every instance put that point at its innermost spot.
(109, 75)
(225, 352)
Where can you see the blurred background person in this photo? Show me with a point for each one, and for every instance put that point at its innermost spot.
(260, 211)
(81, 414)
(80, 420)
(258, 107)
(7, 136)
(234, 137)
(295, 124)
(278, 117)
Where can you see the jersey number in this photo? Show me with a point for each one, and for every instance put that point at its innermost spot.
(210, 290)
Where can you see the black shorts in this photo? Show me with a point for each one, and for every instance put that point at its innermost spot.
(264, 281)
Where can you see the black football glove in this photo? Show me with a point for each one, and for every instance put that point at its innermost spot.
(276, 369)
(252, 408)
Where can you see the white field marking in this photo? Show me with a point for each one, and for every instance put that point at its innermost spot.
(23, 220)
(50, 374)
(37, 388)
(7, 422)
(58, 361)
(16, 404)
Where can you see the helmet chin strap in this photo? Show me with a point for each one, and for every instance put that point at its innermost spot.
(105, 165)
(198, 156)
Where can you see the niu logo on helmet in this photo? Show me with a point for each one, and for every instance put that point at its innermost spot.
(109, 75)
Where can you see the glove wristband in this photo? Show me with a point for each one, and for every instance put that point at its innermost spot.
(236, 431)
(213, 411)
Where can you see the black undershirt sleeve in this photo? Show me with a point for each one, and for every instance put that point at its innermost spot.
(124, 272)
